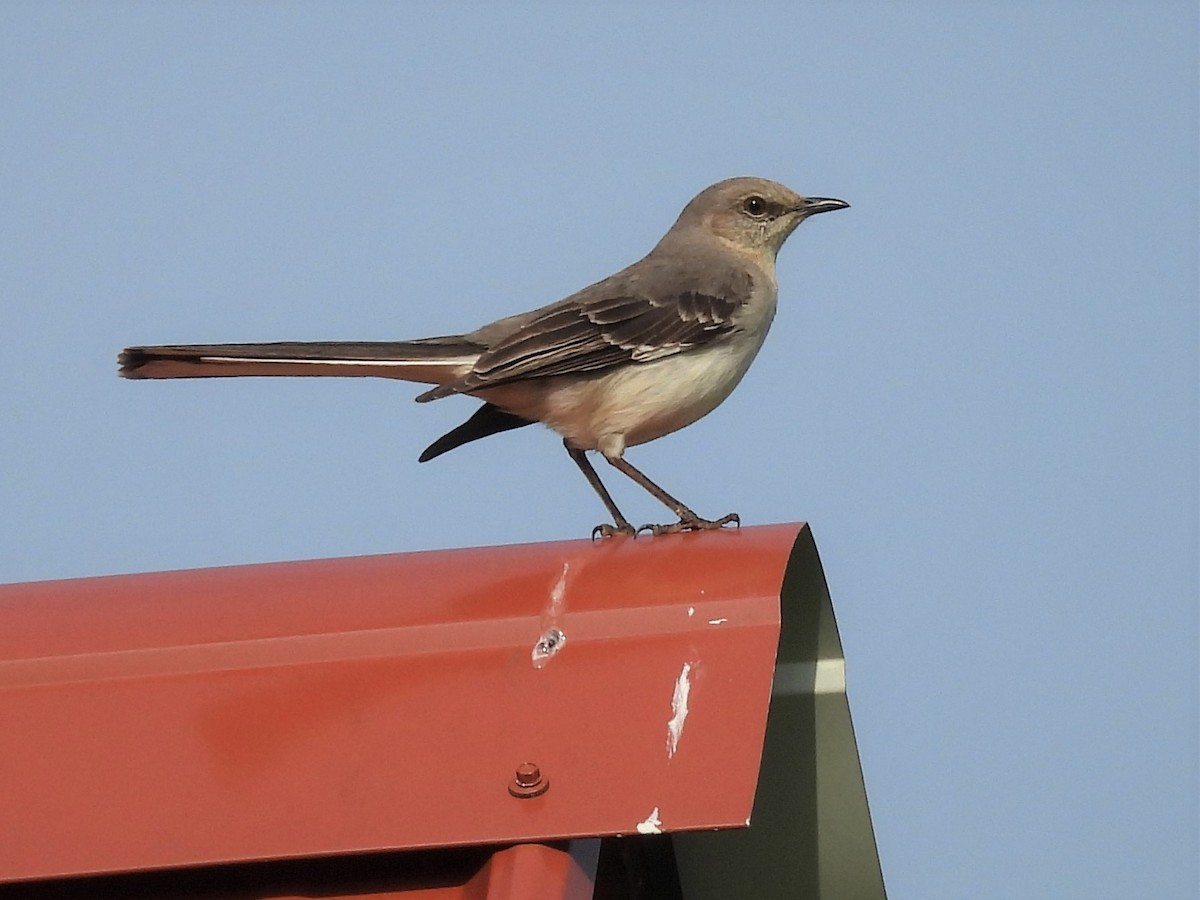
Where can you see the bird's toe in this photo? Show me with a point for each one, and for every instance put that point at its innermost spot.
(604, 530)
(692, 523)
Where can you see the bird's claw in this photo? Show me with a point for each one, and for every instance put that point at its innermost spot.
(604, 530)
(693, 523)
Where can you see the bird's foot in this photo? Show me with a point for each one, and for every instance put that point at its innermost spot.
(604, 530)
(693, 523)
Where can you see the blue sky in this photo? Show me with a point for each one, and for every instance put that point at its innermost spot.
(981, 387)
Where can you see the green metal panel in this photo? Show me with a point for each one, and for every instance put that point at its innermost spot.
(810, 833)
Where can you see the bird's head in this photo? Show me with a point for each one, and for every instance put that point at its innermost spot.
(752, 215)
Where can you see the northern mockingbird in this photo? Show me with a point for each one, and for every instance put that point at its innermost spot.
(636, 356)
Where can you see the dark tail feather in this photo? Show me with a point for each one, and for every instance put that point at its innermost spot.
(432, 360)
(487, 420)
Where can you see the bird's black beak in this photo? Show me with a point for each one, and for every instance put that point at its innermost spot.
(814, 205)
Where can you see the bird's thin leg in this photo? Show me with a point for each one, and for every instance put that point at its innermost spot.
(589, 472)
(688, 520)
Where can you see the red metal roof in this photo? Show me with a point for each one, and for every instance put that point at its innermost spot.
(385, 702)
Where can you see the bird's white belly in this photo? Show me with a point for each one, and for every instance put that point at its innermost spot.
(636, 403)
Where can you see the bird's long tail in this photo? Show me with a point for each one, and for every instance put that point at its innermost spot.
(430, 361)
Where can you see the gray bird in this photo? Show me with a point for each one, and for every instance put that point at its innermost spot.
(634, 357)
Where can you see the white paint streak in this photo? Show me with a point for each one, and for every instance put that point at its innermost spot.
(558, 592)
(553, 638)
(679, 709)
(652, 824)
(691, 611)
(720, 621)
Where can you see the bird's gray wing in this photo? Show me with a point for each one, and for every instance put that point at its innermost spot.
(590, 333)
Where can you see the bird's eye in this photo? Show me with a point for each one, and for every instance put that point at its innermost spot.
(755, 206)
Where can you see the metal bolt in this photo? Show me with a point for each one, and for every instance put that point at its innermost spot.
(528, 782)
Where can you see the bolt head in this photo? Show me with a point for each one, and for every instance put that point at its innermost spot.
(528, 782)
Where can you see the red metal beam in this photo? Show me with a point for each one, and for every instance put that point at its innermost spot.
(353, 705)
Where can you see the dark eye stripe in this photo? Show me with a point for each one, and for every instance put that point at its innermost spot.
(761, 208)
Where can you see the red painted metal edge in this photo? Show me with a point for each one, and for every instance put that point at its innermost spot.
(313, 708)
(534, 872)
(522, 872)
